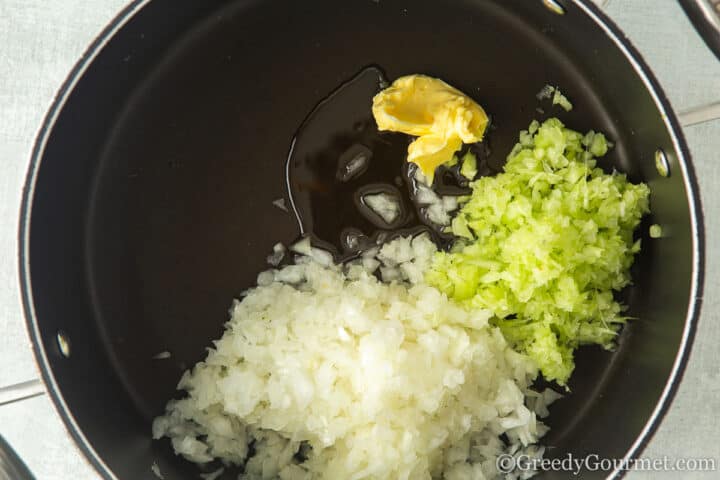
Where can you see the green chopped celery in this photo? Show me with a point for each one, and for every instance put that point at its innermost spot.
(661, 164)
(545, 244)
(452, 162)
(526, 138)
(534, 125)
(562, 100)
(599, 145)
(655, 231)
(468, 169)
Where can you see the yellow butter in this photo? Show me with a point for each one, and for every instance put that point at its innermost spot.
(441, 116)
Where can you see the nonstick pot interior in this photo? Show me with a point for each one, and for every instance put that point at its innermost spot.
(149, 203)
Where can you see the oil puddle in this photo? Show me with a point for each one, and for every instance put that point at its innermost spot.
(349, 184)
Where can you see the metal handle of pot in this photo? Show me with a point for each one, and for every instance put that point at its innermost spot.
(705, 16)
(705, 113)
(11, 467)
(21, 391)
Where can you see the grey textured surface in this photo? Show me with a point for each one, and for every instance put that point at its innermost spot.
(42, 40)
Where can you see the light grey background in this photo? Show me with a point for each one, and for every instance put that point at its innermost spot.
(41, 40)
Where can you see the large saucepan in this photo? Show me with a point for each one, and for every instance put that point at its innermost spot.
(148, 204)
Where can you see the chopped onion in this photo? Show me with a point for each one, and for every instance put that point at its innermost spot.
(352, 373)
(156, 470)
(385, 205)
(545, 92)
(303, 247)
(449, 203)
(212, 475)
(437, 214)
(278, 254)
(425, 196)
(280, 203)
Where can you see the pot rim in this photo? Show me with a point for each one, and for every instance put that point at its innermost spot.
(630, 53)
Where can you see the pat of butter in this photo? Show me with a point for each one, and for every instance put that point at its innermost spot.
(441, 116)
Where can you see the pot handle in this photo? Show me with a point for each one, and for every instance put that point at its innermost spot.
(705, 113)
(11, 467)
(705, 16)
(21, 391)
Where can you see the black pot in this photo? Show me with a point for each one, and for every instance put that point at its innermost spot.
(148, 205)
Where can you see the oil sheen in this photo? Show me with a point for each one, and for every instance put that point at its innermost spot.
(338, 157)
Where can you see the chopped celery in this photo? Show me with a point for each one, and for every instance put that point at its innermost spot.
(545, 244)
(468, 169)
(560, 99)
(655, 231)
